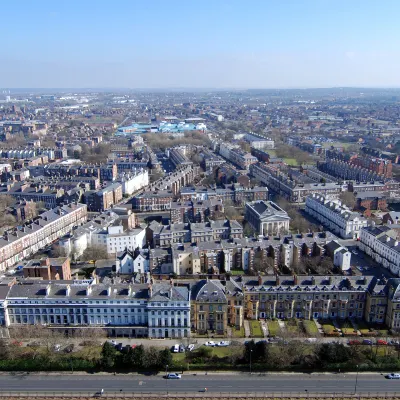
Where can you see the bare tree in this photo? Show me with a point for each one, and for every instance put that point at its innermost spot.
(348, 199)
(95, 253)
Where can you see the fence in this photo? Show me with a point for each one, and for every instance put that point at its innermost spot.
(120, 395)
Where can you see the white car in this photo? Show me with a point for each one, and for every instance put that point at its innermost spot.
(190, 347)
(173, 375)
(210, 344)
(224, 343)
(175, 349)
(393, 376)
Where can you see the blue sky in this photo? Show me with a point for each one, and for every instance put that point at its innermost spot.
(200, 43)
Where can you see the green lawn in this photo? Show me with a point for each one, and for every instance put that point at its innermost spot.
(237, 272)
(293, 327)
(328, 328)
(255, 329)
(311, 328)
(273, 328)
(291, 161)
(238, 333)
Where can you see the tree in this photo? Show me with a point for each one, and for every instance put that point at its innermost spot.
(152, 358)
(333, 353)
(58, 251)
(95, 253)
(348, 199)
(165, 358)
(108, 356)
(6, 220)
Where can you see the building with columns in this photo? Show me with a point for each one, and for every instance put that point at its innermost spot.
(267, 218)
(168, 311)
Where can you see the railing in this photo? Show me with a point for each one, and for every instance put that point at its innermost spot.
(204, 394)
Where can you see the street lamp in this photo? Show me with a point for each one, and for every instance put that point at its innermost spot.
(355, 386)
(251, 351)
(166, 377)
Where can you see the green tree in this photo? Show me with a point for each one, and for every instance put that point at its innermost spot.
(333, 353)
(108, 356)
(165, 358)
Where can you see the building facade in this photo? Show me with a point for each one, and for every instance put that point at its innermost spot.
(336, 216)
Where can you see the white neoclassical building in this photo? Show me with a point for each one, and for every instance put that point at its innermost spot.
(335, 216)
(267, 217)
(382, 244)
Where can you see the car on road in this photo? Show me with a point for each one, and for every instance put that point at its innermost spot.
(381, 342)
(210, 343)
(353, 342)
(190, 347)
(224, 343)
(393, 376)
(173, 375)
(181, 348)
(367, 341)
(113, 342)
(394, 343)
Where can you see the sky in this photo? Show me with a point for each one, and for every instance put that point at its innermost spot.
(223, 44)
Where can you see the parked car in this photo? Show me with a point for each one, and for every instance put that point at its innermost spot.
(181, 348)
(119, 346)
(224, 343)
(393, 376)
(381, 342)
(210, 343)
(57, 347)
(113, 342)
(394, 343)
(367, 341)
(175, 348)
(173, 375)
(353, 342)
(69, 348)
(190, 347)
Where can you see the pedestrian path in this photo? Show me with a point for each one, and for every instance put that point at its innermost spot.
(246, 328)
(264, 327)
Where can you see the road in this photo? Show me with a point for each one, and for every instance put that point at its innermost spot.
(215, 383)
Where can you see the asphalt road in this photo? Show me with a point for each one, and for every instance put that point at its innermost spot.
(215, 383)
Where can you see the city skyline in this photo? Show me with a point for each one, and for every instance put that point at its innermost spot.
(207, 45)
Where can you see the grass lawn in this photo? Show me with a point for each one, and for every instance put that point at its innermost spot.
(311, 328)
(328, 328)
(238, 333)
(255, 329)
(237, 272)
(273, 328)
(293, 327)
(178, 357)
(291, 161)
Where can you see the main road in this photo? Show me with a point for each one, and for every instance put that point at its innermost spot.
(190, 383)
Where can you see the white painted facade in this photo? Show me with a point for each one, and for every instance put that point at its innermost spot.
(132, 182)
(382, 244)
(335, 216)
